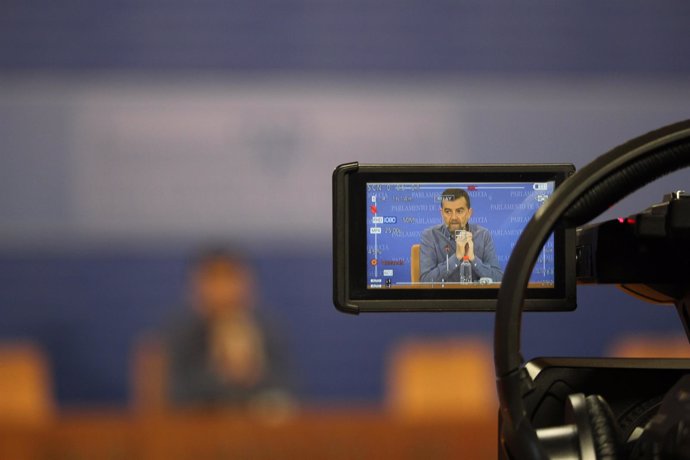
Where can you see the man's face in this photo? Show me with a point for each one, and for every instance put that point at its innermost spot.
(455, 214)
(221, 287)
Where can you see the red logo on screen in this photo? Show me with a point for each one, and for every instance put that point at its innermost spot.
(373, 208)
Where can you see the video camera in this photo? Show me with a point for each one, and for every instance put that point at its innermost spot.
(437, 238)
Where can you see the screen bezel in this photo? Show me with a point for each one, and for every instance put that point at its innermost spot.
(351, 293)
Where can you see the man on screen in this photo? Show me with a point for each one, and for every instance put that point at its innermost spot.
(441, 252)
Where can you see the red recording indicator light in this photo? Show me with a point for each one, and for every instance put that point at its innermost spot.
(630, 220)
(621, 220)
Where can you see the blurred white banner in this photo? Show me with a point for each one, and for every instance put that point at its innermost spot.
(248, 161)
(251, 160)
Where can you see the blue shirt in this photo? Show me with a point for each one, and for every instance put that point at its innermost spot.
(438, 261)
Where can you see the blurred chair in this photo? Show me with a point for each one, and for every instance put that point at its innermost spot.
(26, 395)
(650, 346)
(442, 379)
(415, 270)
(149, 375)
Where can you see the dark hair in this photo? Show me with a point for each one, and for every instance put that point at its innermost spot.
(452, 194)
(227, 254)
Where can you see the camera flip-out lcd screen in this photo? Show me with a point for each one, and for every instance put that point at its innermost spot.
(439, 237)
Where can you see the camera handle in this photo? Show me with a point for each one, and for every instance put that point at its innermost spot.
(683, 308)
(581, 198)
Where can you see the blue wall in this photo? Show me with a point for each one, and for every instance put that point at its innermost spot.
(620, 37)
(87, 310)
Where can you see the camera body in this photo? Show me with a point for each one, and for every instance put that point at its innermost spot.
(634, 403)
(549, 408)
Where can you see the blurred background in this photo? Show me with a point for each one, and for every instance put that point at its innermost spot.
(132, 133)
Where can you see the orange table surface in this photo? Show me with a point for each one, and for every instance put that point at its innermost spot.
(318, 434)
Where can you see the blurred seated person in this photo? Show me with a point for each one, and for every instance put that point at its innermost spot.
(222, 352)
